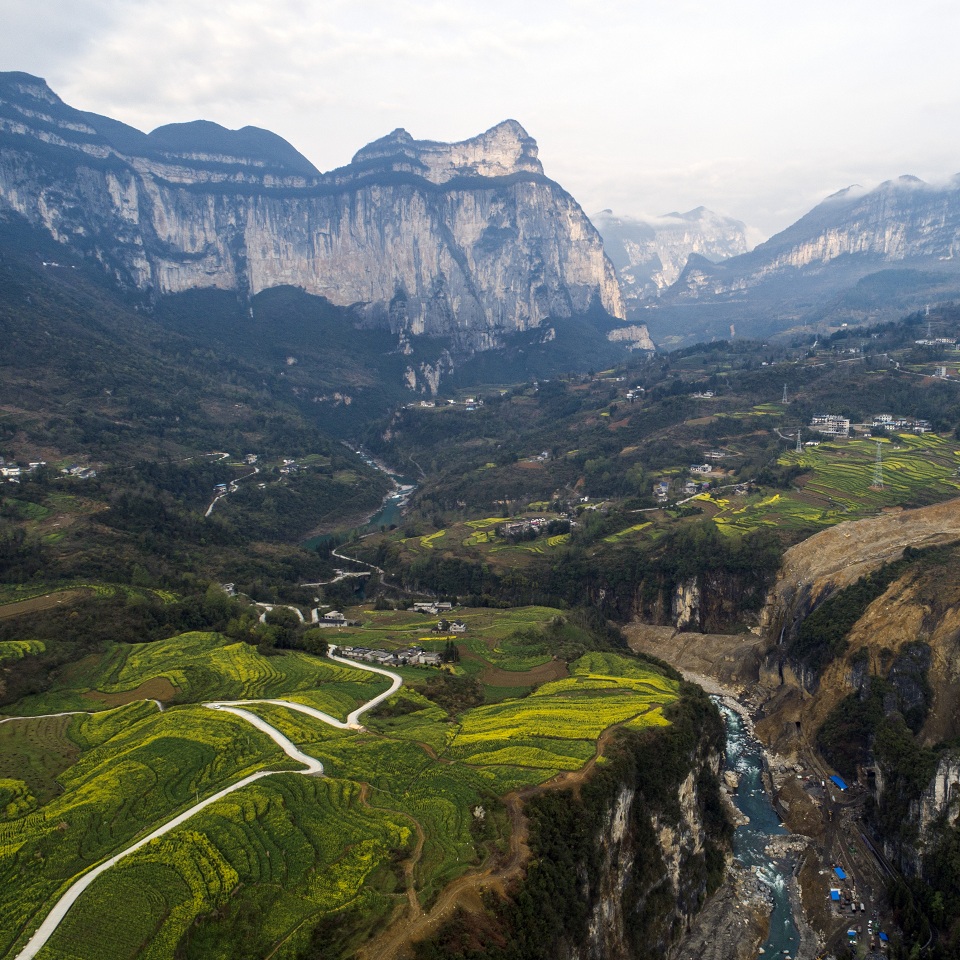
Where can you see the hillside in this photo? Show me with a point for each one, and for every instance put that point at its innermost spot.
(439, 798)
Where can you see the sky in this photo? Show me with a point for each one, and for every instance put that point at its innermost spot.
(757, 109)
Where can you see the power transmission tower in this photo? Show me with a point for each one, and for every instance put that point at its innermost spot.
(878, 471)
(799, 445)
(784, 394)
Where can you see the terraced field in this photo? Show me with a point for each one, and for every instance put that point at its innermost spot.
(480, 538)
(404, 807)
(840, 486)
(134, 767)
(195, 667)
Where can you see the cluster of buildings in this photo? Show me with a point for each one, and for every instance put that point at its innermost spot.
(79, 472)
(431, 607)
(521, 528)
(884, 421)
(661, 489)
(413, 656)
(470, 403)
(832, 425)
(12, 472)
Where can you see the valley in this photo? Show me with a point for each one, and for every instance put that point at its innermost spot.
(512, 696)
(544, 513)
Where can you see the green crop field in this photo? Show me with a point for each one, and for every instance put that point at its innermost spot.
(623, 534)
(410, 799)
(17, 649)
(33, 753)
(135, 767)
(206, 666)
(285, 851)
(916, 469)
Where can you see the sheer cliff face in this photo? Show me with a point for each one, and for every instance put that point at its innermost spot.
(467, 240)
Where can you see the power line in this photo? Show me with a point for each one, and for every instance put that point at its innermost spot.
(878, 470)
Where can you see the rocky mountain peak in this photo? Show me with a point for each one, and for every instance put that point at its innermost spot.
(501, 151)
(28, 85)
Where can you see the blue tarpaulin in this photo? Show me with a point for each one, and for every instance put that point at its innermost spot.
(834, 894)
(884, 938)
(839, 783)
(840, 873)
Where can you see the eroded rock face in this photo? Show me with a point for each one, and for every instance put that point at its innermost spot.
(468, 240)
(940, 802)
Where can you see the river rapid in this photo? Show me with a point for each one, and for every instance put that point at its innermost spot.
(745, 757)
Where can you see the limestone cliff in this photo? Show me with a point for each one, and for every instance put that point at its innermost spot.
(619, 865)
(467, 241)
(860, 256)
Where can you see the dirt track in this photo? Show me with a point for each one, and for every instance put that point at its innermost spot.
(496, 875)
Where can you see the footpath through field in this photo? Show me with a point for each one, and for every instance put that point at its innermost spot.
(313, 768)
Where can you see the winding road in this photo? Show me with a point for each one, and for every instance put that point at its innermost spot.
(313, 767)
(231, 488)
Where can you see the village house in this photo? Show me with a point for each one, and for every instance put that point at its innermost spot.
(414, 656)
(432, 607)
(335, 619)
(831, 425)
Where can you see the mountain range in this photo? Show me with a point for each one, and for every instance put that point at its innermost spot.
(859, 256)
(455, 249)
(467, 242)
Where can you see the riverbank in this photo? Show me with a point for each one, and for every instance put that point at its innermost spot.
(758, 911)
(389, 513)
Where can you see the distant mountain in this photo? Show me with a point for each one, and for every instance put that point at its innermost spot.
(650, 254)
(860, 255)
(467, 242)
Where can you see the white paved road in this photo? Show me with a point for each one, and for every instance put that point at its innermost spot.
(313, 768)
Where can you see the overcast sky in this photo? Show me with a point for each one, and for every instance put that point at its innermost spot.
(754, 108)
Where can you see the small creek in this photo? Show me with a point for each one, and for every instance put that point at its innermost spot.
(745, 758)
